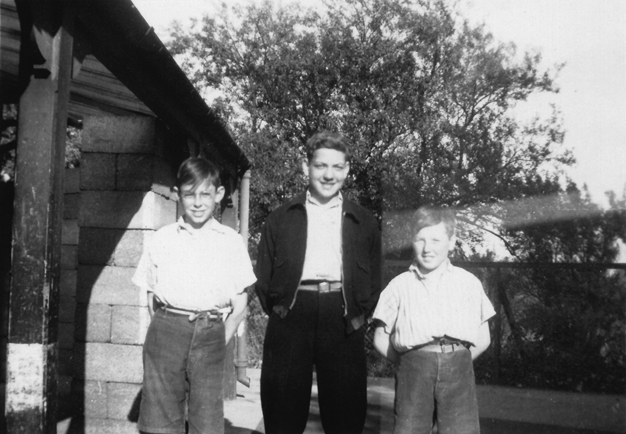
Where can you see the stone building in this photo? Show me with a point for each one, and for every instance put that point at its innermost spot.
(72, 333)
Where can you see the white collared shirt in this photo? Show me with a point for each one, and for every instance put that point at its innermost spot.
(416, 308)
(199, 269)
(322, 260)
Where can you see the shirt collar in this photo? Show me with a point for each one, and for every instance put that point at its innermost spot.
(211, 225)
(446, 266)
(335, 201)
(348, 207)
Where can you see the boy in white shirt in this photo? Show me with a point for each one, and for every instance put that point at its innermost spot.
(432, 320)
(195, 273)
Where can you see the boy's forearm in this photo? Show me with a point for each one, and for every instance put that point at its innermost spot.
(382, 344)
(151, 303)
(477, 351)
(483, 341)
(240, 308)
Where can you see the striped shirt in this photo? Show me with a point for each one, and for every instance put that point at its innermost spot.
(198, 269)
(417, 308)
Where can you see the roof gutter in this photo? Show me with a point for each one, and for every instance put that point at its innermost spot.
(119, 36)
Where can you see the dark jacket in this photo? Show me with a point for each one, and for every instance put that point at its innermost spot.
(281, 259)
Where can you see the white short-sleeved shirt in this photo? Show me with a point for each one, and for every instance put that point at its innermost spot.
(200, 269)
(415, 311)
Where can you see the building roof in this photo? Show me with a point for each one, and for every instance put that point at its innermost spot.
(124, 68)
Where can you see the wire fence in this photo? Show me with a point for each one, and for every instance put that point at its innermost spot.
(559, 326)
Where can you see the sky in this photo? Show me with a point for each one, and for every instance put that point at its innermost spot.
(589, 36)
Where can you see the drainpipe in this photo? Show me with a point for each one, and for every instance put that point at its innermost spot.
(241, 358)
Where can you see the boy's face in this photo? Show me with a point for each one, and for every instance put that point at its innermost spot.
(431, 246)
(327, 172)
(199, 204)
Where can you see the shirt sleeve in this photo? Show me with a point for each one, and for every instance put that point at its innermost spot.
(145, 274)
(387, 309)
(487, 311)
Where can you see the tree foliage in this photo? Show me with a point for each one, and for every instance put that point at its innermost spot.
(8, 144)
(423, 96)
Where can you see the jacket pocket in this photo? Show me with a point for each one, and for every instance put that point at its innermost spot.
(361, 283)
(279, 278)
(363, 266)
(279, 262)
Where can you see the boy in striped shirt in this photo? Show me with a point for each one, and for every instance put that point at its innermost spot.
(432, 321)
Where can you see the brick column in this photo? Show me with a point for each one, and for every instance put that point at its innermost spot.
(124, 196)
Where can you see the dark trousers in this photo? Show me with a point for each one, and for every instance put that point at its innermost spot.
(183, 364)
(313, 333)
(426, 379)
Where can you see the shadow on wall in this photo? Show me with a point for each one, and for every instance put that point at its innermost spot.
(112, 205)
(101, 312)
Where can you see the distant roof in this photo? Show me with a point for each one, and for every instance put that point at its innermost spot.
(124, 68)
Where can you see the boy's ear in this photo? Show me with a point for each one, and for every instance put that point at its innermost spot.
(305, 166)
(219, 193)
(452, 243)
(176, 192)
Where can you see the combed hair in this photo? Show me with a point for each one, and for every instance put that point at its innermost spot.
(431, 215)
(327, 140)
(195, 171)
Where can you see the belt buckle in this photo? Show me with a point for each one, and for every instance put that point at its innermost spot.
(323, 287)
(210, 316)
(443, 346)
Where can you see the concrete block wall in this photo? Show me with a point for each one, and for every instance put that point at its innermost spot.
(123, 190)
(69, 266)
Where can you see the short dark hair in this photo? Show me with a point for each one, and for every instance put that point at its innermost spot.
(327, 140)
(431, 215)
(196, 170)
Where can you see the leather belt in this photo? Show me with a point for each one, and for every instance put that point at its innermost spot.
(212, 315)
(440, 347)
(321, 286)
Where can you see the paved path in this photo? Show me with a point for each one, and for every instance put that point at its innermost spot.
(243, 415)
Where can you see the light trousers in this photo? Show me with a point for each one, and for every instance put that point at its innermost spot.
(429, 382)
(183, 370)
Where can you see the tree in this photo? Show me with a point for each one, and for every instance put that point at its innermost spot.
(8, 143)
(422, 95)
(425, 99)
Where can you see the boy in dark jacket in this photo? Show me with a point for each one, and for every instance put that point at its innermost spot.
(318, 273)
